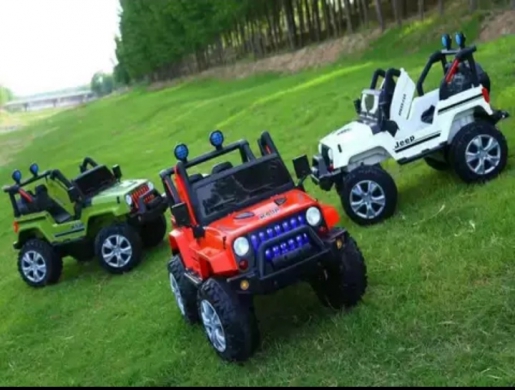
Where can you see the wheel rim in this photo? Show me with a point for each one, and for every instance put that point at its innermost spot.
(483, 154)
(213, 326)
(33, 266)
(367, 199)
(177, 293)
(116, 251)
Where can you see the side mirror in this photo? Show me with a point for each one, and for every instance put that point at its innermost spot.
(301, 166)
(181, 214)
(117, 171)
(74, 194)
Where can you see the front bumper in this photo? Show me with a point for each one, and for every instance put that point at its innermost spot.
(320, 174)
(148, 211)
(296, 265)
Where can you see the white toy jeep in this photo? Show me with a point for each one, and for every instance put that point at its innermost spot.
(453, 126)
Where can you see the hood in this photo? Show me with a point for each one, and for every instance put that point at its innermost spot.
(118, 190)
(261, 214)
(351, 132)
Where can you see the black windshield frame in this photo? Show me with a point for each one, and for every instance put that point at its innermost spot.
(206, 219)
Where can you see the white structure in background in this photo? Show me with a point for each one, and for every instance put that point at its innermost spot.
(50, 101)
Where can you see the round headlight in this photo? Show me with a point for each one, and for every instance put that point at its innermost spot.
(150, 186)
(313, 216)
(128, 200)
(241, 246)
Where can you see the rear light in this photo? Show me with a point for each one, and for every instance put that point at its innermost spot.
(243, 264)
(486, 95)
(16, 227)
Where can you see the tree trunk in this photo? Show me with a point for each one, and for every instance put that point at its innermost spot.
(421, 9)
(346, 5)
(396, 12)
(309, 21)
(290, 22)
(472, 5)
(316, 20)
(379, 14)
(364, 11)
(334, 22)
(440, 7)
(302, 24)
(327, 20)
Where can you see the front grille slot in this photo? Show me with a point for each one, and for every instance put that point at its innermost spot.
(278, 229)
(139, 192)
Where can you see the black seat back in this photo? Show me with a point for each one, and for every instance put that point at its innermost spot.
(221, 167)
(90, 182)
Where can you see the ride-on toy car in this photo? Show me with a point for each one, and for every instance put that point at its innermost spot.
(249, 229)
(452, 126)
(96, 213)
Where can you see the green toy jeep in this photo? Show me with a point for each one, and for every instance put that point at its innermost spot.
(94, 214)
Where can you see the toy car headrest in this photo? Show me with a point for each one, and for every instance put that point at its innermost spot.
(221, 167)
(195, 177)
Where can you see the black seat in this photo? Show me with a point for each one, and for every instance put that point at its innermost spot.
(221, 167)
(385, 99)
(90, 182)
(46, 203)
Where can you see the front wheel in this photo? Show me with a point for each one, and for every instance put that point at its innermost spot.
(368, 195)
(118, 248)
(229, 324)
(39, 264)
(343, 284)
(479, 152)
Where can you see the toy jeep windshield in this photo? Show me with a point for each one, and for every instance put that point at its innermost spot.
(248, 229)
(453, 126)
(95, 213)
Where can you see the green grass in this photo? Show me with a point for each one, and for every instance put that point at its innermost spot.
(440, 307)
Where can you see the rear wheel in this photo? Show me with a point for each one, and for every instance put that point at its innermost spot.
(368, 195)
(118, 248)
(229, 324)
(479, 152)
(153, 232)
(183, 290)
(39, 264)
(343, 284)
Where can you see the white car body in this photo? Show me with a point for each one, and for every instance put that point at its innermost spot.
(356, 143)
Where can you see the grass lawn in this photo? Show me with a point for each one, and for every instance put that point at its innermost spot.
(440, 308)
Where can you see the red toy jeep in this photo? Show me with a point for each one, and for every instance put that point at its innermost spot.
(249, 229)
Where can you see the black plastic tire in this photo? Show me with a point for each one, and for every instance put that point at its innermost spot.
(130, 236)
(153, 232)
(237, 321)
(459, 147)
(436, 164)
(381, 178)
(343, 285)
(188, 292)
(52, 261)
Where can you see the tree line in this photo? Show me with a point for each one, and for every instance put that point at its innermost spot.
(5, 95)
(164, 39)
